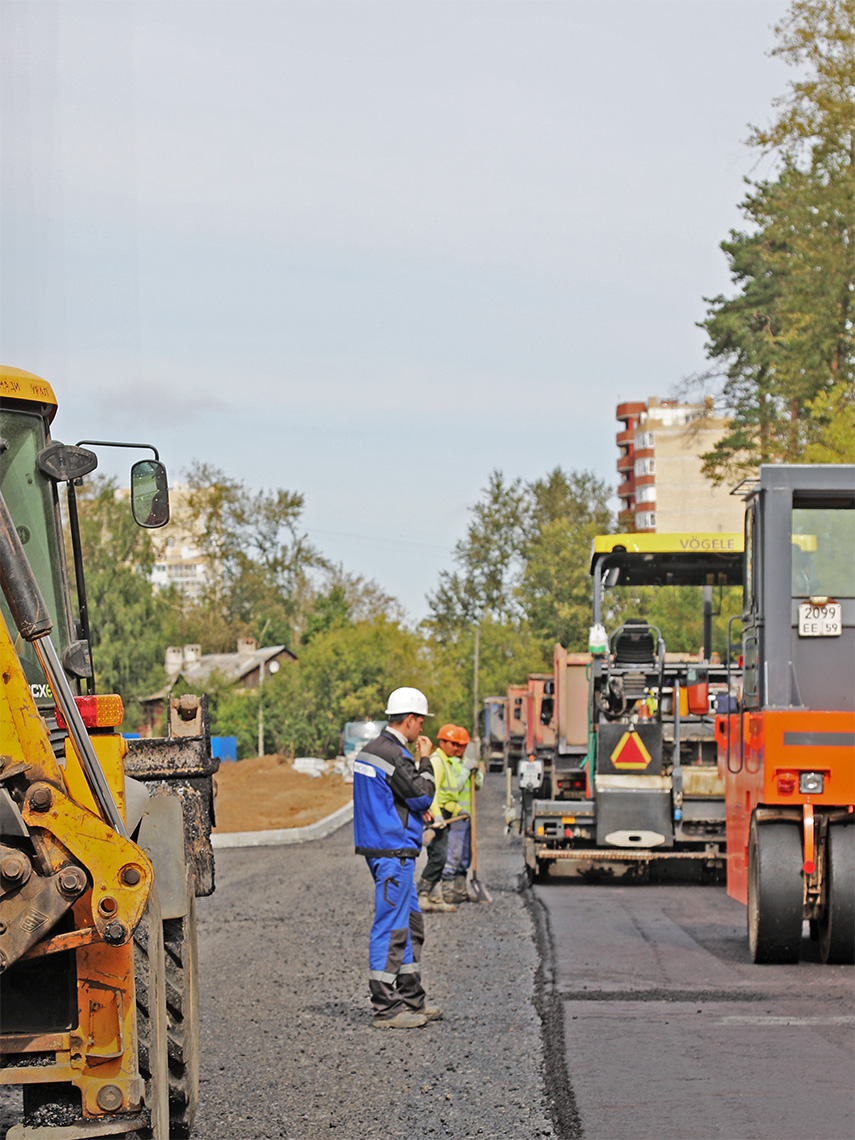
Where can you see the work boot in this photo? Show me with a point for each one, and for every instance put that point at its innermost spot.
(431, 1012)
(436, 900)
(406, 1019)
(448, 893)
(428, 901)
(461, 890)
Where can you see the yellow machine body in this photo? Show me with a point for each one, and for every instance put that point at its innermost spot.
(98, 1055)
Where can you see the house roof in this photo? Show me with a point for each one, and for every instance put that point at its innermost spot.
(232, 666)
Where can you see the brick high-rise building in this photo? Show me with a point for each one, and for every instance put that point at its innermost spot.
(662, 487)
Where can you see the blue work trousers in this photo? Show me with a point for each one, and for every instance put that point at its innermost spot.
(459, 857)
(397, 935)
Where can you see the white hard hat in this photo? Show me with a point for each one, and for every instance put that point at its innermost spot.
(403, 701)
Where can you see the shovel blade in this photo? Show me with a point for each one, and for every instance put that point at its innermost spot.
(480, 891)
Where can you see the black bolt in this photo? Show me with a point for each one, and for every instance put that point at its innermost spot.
(114, 933)
(2, 927)
(40, 799)
(131, 876)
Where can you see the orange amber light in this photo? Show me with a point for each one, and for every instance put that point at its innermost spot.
(101, 711)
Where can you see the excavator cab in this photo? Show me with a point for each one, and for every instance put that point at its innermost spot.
(100, 860)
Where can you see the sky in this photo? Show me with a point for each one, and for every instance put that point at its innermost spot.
(372, 251)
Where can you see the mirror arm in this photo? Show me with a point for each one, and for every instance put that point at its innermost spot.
(113, 443)
(82, 604)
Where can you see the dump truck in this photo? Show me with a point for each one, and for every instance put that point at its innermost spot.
(516, 719)
(104, 843)
(786, 748)
(494, 733)
(571, 682)
(647, 786)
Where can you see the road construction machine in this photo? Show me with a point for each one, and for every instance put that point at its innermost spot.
(104, 843)
(516, 725)
(494, 733)
(786, 749)
(633, 780)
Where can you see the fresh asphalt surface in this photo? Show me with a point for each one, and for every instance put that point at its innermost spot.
(671, 1032)
(572, 1010)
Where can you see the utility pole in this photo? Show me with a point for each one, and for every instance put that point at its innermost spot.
(260, 694)
(475, 710)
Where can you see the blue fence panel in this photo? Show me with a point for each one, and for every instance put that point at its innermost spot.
(224, 747)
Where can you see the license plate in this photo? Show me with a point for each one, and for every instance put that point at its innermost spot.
(820, 621)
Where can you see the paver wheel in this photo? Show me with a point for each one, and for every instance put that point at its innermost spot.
(775, 892)
(837, 926)
(182, 1008)
(150, 986)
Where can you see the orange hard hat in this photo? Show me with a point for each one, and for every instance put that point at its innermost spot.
(454, 734)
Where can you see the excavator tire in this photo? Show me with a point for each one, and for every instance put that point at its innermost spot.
(182, 1009)
(150, 985)
(775, 892)
(837, 926)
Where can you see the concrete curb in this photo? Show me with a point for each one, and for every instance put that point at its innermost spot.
(283, 835)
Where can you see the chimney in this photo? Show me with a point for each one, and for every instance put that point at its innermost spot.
(245, 647)
(174, 659)
(192, 655)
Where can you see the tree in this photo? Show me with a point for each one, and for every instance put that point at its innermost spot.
(522, 574)
(567, 512)
(784, 341)
(489, 562)
(344, 672)
(128, 621)
(523, 549)
(258, 563)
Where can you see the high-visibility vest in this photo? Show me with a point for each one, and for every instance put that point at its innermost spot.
(450, 795)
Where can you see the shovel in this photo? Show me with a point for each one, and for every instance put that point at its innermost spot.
(478, 889)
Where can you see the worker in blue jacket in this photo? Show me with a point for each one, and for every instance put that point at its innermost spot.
(391, 797)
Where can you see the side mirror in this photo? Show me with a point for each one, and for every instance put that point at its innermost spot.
(611, 577)
(149, 493)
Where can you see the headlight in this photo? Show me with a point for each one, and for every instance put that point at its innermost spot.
(811, 783)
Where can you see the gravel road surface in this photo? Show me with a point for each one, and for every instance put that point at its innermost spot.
(288, 1048)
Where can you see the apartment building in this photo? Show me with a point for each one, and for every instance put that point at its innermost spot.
(661, 485)
(179, 560)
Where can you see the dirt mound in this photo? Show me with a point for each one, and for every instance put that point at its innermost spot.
(266, 792)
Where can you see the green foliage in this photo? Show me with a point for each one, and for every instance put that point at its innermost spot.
(522, 573)
(330, 611)
(489, 561)
(524, 561)
(345, 672)
(677, 612)
(128, 621)
(784, 340)
(508, 652)
(258, 563)
(568, 511)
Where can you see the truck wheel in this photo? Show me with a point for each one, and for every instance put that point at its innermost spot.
(150, 987)
(775, 892)
(182, 1010)
(837, 926)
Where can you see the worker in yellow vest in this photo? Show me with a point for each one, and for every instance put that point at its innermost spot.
(455, 800)
(429, 888)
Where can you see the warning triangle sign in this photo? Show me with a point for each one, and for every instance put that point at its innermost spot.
(630, 753)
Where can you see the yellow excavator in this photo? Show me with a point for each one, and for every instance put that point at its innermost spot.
(104, 842)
